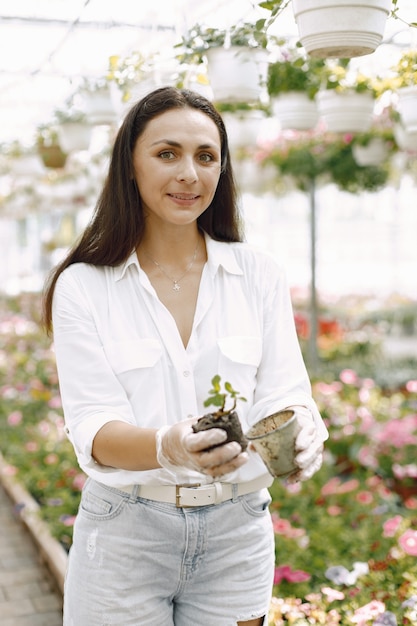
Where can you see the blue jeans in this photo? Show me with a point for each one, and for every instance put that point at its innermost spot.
(137, 562)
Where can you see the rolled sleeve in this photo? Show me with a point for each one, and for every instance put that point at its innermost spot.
(91, 393)
(282, 378)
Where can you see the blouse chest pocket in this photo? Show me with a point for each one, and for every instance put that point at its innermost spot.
(124, 356)
(241, 349)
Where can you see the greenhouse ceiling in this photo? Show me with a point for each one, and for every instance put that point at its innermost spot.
(47, 46)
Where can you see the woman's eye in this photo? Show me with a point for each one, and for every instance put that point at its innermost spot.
(167, 155)
(206, 158)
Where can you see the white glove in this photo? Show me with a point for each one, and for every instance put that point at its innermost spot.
(308, 446)
(178, 446)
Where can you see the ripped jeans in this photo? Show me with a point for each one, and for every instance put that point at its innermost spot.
(137, 562)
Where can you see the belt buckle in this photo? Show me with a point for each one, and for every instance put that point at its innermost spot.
(178, 495)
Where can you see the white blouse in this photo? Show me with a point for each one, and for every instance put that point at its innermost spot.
(120, 356)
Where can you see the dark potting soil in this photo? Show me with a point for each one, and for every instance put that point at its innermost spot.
(229, 422)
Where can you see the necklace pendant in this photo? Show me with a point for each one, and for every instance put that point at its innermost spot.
(176, 286)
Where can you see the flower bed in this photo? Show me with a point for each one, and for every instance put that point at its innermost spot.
(346, 541)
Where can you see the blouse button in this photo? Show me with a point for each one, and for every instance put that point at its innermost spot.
(186, 373)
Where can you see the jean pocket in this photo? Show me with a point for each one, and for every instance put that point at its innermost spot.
(256, 504)
(100, 504)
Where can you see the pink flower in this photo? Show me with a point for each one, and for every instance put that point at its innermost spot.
(284, 572)
(411, 504)
(348, 377)
(79, 480)
(411, 386)
(51, 459)
(364, 497)
(408, 542)
(332, 594)
(334, 510)
(368, 612)
(14, 418)
(391, 526)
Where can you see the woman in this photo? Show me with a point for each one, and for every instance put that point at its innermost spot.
(158, 296)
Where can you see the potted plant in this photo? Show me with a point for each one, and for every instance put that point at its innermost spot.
(130, 78)
(374, 146)
(341, 29)
(97, 101)
(73, 128)
(404, 85)
(293, 82)
(49, 147)
(346, 98)
(225, 418)
(236, 59)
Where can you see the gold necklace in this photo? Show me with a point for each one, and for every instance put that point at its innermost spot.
(176, 286)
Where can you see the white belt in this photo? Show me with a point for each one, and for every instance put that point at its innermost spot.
(197, 494)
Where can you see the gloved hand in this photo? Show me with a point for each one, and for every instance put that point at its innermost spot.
(308, 446)
(178, 446)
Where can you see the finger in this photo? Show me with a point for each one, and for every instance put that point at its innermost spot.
(227, 468)
(221, 455)
(197, 442)
(306, 457)
(305, 437)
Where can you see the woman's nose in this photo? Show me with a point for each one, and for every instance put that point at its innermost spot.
(187, 171)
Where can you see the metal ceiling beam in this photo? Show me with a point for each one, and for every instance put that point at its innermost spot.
(41, 21)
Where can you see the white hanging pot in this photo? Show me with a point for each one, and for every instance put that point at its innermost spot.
(341, 28)
(345, 112)
(406, 140)
(98, 106)
(243, 128)
(374, 153)
(74, 136)
(295, 110)
(407, 107)
(237, 74)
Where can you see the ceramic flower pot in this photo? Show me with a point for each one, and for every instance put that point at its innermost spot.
(295, 110)
(237, 74)
(274, 440)
(341, 28)
(98, 106)
(374, 153)
(346, 112)
(407, 107)
(75, 136)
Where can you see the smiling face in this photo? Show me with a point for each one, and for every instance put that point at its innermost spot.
(177, 162)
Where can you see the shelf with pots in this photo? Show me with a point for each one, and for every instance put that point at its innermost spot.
(236, 59)
(293, 82)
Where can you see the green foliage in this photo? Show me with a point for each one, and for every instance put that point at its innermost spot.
(294, 71)
(218, 397)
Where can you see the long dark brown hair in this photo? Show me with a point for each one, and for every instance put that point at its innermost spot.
(117, 224)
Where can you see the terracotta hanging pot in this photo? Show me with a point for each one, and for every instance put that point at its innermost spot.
(346, 112)
(52, 156)
(341, 28)
(295, 110)
(237, 74)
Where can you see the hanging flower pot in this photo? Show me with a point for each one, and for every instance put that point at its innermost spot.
(98, 105)
(74, 136)
(406, 140)
(347, 111)
(373, 153)
(237, 74)
(243, 127)
(52, 156)
(295, 110)
(341, 28)
(407, 107)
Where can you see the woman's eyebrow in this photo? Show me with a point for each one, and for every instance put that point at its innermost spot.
(176, 144)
